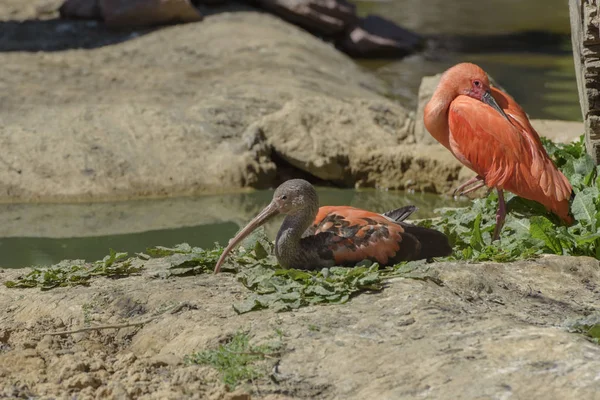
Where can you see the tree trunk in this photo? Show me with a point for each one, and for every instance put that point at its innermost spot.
(585, 35)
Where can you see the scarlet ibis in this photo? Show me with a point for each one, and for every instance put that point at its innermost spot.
(489, 132)
(311, 237)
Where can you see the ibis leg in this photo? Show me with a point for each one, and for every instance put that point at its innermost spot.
(500, 215)
(474, 188)
(468, 183)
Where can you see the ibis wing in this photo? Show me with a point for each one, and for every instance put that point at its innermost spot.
(551, 181)
(508, 153)
(485, 141)
(353, 235)
(518, 118)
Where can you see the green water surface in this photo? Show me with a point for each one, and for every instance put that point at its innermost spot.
(45, 234)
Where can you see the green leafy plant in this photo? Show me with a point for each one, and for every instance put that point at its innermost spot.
(237, 360)
(76, 272)
(589, 326)
(186, 260)
(286, 289)
(530, 230)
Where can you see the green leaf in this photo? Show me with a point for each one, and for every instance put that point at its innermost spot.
(259, 251)
(541, 228)
(238, 361)
(160, 251)
(113, 257)
(583, 207)
(251, 304)
(294, 274)
(476, 238)
(587, 239)
(76, 272)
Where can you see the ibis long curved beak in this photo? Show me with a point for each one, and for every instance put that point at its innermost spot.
(269, 211)
(488, 99)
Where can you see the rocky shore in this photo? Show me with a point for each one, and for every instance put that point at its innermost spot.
(470, 331)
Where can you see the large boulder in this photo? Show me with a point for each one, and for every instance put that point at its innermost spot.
(326, 17)
(84, 9)
(192, 109)
(128, 13)
(377, 37)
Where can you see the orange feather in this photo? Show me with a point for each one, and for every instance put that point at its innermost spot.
(360, 234)
(504, 149)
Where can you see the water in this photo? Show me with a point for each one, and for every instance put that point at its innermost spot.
(540, 78)
(473, 17)
(33, 234)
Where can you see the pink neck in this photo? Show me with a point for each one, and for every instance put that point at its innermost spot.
(436, 115)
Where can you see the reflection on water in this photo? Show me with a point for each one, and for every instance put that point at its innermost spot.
(45, 234)
(544, 84)
(472, 16)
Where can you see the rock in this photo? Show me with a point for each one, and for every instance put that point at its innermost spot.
(81, 381)
(159, 114)
(113, 390)
(19, 10)
(368, 141)
(238, 395)
(490, 330)
(326, 17)
(559, 131)
(586, 37)
(209, 2)
(377, 37)
(126, 13)
(84, 9)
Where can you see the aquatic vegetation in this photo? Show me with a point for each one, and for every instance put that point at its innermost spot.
(76, 272)
(530, 230)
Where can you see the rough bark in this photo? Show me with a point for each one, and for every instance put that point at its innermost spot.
(586, 54)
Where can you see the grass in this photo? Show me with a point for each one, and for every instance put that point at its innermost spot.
(237, 360)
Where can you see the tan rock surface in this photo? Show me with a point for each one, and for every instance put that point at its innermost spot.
(175, 112)
(489, 331)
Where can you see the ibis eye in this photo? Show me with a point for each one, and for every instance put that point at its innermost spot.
(477, 83)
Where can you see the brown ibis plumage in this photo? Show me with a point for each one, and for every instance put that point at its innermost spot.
(312, 238)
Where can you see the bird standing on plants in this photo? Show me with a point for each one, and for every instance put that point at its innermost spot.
(312, 238)
(489, 132)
